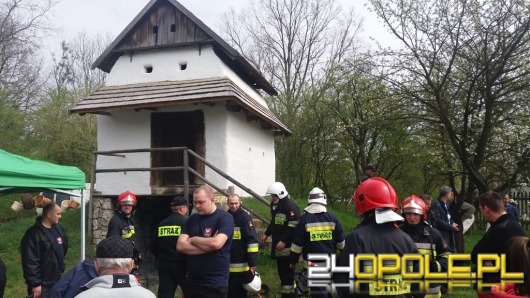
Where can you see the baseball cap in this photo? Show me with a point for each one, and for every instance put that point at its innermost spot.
(114, 247)
(179, 201)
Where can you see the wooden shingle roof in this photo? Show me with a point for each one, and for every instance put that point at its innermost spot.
(166, 23)
(169, 93)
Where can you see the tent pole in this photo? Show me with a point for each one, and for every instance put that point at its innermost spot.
(83, 225)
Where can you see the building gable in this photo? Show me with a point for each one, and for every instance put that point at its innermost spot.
(166, 23)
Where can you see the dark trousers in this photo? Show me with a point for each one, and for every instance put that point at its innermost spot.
(171, 274)
(235, 290)
(286, 277)
(200, 291)
(459, 241)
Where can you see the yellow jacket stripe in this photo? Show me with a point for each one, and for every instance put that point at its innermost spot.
(239, 267)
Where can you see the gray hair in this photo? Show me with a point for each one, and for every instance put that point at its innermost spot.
(113, 263)
(445, 190)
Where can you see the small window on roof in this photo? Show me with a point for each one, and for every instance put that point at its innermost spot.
(183, 65)
(173, 27)
(148, 68)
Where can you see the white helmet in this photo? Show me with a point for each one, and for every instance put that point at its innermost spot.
(317, 195)
(277, 188)
(255, 285)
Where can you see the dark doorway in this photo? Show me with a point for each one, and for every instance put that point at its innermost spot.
(176, 129)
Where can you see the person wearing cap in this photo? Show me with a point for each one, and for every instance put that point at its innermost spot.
(376, 202)
(205, 240)
(243, 251)
(285, 214)
(113, 264)
(43, 249)
(444, 222)
(122, 223)
(369, 172)
(317, 231)
(171, 264)
(428, 240)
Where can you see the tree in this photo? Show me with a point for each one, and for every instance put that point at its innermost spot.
(22, 24)
(73, 69)
(463, 65)
(60, 137)
(292, 43)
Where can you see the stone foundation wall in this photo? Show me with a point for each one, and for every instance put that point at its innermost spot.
(102, 213)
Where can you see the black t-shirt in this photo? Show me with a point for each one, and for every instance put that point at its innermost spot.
(210, 269)
(58, 244)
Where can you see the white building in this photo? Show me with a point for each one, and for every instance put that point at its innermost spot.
(173, 82)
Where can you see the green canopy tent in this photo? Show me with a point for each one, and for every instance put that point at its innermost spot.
(20, 174)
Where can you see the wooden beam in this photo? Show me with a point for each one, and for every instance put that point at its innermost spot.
(233, 107)
(265, 125)
(251, 117)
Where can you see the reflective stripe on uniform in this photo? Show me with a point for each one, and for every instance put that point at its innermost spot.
(320, 226)
(166, 231)
(425, 246)
(237, 233)
(252, 247)
(292, 223)
(280, 219)
(239, 267)
(287, 289)
(127, 233)
(283, 253)
(296, 249)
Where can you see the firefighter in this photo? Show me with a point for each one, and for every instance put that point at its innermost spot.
(244, 249)
(122, 223)
(376, 202)
(428, 240)
(285, 215)
(318, 231)
(171, 264)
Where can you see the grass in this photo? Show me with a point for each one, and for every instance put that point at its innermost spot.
(12, 232)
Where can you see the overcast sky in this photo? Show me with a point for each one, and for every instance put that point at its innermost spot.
(101, 16)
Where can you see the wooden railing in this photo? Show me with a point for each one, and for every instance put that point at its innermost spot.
(186, 172)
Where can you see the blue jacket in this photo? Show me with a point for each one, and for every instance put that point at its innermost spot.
(70, 285)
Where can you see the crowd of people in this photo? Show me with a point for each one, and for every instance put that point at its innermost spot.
(213, 253)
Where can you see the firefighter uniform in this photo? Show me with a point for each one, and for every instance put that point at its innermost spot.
(430, 242)
(317, 233)
(243, 253)
(171, 264)
(285, 215)
(372, 238)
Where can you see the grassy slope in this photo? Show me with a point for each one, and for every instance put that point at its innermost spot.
(12, 232)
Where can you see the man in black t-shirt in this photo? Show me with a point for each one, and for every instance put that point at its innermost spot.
(206, 239)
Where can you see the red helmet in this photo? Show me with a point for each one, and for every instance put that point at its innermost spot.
(126, 198)
(374, 193)
(414, 204)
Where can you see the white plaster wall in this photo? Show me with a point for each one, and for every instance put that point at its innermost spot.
(166, 67)
(251, 157)
(240, 148)
(125, 129)
(216, 133)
